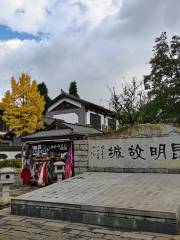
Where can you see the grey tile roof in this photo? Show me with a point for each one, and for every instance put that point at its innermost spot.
(51, 133)
(82, 129)
(75, 130)
(48, 120)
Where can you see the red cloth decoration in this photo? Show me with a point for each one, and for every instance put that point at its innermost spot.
(68, 168)
(26, 176)
(43, 177)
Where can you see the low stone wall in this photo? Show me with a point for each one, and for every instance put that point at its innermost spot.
(151, 150)
(80, 156)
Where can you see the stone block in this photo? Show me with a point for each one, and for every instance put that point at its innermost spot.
(82, 142)
(80, 153)
(83, 147)
(108, 221)
(131, 235)
(160, 170)
(47, 213)
(83, 170)
(76, 170)
(154, 226)
(98, 169)
(80, 164)
(107, 231)
(116, 170)
(68, 215)
(79, 170)
(81, 159)
(76, 147)
(174, 171)
(90, 169)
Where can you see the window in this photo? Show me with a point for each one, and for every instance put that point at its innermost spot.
(95, 121)
(18, 156)
(3, 156)
(112, 123)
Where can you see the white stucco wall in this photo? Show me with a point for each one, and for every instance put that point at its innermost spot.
(10, 154)
(67, 117)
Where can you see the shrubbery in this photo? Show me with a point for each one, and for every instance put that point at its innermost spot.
(15, 163)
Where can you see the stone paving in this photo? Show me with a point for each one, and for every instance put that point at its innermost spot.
(26, 228)
(16, 191)
(135, 201)
(143, 191)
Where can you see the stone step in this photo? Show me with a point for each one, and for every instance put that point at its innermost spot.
(134, 201)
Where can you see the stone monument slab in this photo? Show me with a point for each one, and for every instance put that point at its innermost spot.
(139, 152)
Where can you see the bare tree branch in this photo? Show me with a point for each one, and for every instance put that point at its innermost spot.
(128, 103)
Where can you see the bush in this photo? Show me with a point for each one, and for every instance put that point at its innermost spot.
(15, 163)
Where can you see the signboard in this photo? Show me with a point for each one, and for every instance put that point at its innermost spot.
(47, 151)
(142, 152)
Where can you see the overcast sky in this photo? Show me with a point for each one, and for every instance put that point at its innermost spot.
(98, 43)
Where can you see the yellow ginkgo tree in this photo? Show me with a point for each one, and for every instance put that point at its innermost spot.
(23, 106)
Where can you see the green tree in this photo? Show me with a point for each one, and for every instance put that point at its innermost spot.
(42, 88)
(73, 89)
(163, 82)
(129, 103)
(23, 106)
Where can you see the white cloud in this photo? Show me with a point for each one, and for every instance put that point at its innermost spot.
(24, 15)
(35, 16)
(96, 42)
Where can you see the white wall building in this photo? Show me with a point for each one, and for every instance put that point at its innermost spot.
(76, 110)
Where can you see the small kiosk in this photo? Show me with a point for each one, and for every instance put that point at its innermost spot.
(40, 158)
(44, 150)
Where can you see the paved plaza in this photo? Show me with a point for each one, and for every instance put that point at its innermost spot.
(143, 191)
(133, 201)
(26, 228)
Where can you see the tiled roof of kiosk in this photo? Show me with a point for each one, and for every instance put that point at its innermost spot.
(69, 130)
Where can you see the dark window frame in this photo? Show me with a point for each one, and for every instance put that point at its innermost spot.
(95, 121)
(112, 123)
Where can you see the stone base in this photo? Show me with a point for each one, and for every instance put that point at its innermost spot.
(134, 170)
(140, 202)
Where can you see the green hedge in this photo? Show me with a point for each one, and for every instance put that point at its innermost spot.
(15, 163)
